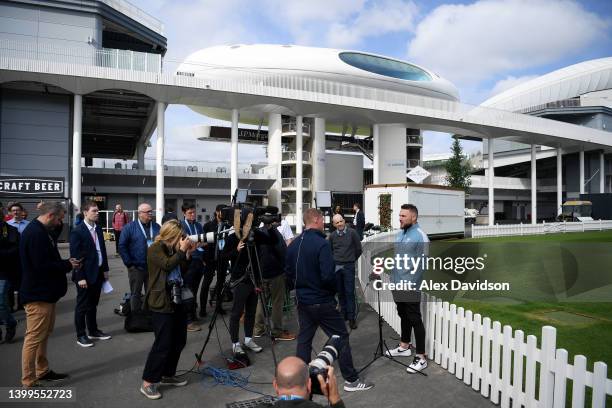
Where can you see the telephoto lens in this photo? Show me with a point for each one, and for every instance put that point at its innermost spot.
(325, 358)
(198, 238)
(176, 292)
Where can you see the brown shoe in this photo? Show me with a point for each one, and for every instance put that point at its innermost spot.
(285, 336)
(193, 327)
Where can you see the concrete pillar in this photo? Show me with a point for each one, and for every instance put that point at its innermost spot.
(77, 130)
(390, 154)
(602, 172)
(234, 153)
(318, 158)
(559, 180)
(534, 191)
(491, 175)
(581, 165)
(376, 154)
(275, 153)
(299, 148)
(141, 148)
(159, 163)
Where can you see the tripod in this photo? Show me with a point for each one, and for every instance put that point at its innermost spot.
(382, 344)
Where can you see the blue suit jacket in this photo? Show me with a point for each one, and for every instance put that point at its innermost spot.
(82, 246)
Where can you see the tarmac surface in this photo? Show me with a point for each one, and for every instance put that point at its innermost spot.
(109, 374)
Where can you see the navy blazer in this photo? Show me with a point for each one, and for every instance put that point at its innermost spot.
(360, 222)
(82, 246)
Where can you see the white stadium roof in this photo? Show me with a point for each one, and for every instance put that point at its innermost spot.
(565, 83)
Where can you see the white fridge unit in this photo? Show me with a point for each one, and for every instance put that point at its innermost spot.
(441, 209)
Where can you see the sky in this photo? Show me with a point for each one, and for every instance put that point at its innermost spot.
(484, 47)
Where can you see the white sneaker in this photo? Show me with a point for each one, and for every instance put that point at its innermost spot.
(399, 351)
(418, 364)
(251, 345)
(358, 385)
(237, 349)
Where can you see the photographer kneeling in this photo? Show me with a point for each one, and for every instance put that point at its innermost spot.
(166, 261)
(293, 385)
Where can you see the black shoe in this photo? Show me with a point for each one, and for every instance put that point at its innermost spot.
(352, 324)
(53, 376)
(99, 335)
(221, 311)
(10, 334)
(84, 341)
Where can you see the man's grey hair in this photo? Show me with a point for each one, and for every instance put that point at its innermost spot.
(298, 378)
(52, 207)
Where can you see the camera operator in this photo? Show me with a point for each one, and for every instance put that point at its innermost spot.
(213, 265)
(293, 386)
(167, 259)
(272, 262)
(245, 296)
(310, 270)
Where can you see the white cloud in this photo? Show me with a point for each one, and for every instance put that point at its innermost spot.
(473, 43)
(510, 82)
(375, 19)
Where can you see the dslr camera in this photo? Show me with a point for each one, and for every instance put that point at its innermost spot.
(325, 358)
(176, 291)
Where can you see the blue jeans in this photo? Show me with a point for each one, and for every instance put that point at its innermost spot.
(6, 317)
(345, 282)
(326, 316)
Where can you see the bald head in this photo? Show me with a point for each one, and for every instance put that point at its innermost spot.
(145, 213)
(339, 222)
(291, 376)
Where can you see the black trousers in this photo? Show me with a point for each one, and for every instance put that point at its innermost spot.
(324, 315)
(86, 309)
(213, 269)
(410, 315)
(170, 338)
(245, 299)
(192, 281)
(117, 234)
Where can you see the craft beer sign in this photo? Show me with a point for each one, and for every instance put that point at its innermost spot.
(50, 186)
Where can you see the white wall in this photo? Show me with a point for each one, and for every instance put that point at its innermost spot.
(344, 172)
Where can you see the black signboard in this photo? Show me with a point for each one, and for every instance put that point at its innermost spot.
(17, 186)
(244, 135)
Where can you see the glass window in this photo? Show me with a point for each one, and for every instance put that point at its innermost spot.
(385, 66)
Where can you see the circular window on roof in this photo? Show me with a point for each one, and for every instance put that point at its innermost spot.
(384, 66)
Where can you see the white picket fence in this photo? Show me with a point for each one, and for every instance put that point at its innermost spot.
(497, 362)
(503, 230)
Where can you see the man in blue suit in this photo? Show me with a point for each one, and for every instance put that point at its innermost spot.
(136, 238)
(87, 245)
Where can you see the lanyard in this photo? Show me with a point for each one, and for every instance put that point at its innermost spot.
(189, 228)
(144, 233)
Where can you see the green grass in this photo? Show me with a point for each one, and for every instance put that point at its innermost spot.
(591, 259)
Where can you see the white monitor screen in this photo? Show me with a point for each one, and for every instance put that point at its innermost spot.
(324, 199)
(241, 195)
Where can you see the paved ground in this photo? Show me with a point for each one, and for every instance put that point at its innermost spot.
(109, 373)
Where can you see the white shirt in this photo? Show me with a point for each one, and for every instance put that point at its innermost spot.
(94, 236)
(355, 217)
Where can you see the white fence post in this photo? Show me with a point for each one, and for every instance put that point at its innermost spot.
(460, 337)
(530, 372)
(486, 359)
(560, 378)
(517, 377)
(452, 335)
(469, 327)
(495, 379)
(600, 373)
(578, 381)
(438, 341)
(547, 377)
(476, 370)
(506, 367)
(445, 330)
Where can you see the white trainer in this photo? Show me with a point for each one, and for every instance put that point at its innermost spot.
(399, 351)
(418, 364)
(251, 345)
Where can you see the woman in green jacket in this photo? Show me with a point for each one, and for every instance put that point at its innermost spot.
(166, 257)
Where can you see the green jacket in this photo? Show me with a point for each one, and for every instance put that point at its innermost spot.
(160, 262)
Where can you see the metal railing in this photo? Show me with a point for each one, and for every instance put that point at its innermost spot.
(188, 166)
(418, 140)
(479, 231)
(412, 163)
(292, 156)
(136, 14)
(85, 55)
(288, 127)
(289, 208)
(106, 218)
(566, 103)
(291, 183)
